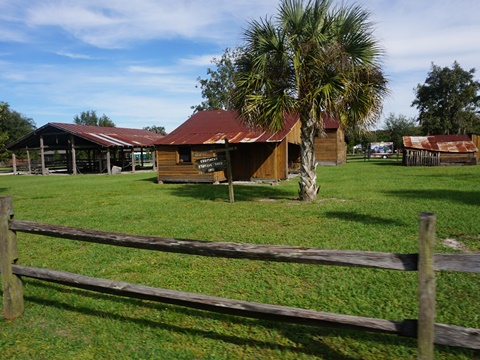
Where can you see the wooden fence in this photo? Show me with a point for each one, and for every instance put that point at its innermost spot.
(425, 262)
(421, 158)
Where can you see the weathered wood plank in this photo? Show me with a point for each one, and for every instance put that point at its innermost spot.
(215, 304)
(458, 262)
(457, 336)
(277, 253)
(11, 284)
(426, 287)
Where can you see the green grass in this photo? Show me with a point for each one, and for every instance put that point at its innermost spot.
(371, 206)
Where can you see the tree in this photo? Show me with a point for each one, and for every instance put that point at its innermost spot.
(13, 126)
(448, 101)
(313, 60)
(217, 89)
(90, 117)
(398, 126)
(156, 129)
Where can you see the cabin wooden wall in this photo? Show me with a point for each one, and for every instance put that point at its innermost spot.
(330, 149)
(416, 157)
(293, 136)
(260, 161)
(476, 140)
(249, 161)
(458, 159)
(169, 170)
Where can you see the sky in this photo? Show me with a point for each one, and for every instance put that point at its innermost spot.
(138, 61)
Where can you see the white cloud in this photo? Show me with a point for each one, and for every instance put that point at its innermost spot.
(117, 24)
(149, 70)
(72, 55)
(201, 60)
(149, 53)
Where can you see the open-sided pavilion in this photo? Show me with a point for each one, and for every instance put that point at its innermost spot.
(84, 148)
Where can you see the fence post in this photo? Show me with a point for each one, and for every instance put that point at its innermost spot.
(11, 284)
(426, 286)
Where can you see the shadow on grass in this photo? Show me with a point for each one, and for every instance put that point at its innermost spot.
(386, 163)
(377, 161)
(307, 340)
(362, 218)
(152, 179)
(220, 192)
(458, 196)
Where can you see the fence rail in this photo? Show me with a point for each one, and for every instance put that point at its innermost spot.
(425, 262)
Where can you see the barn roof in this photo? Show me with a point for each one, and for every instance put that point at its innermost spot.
(213, 126)
(440, 143)
(54, 134)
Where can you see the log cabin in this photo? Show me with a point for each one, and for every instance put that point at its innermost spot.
(257, 154)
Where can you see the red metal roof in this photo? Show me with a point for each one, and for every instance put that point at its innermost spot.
(440, 143)
(111, 136)
(55, 137)
(213, 126)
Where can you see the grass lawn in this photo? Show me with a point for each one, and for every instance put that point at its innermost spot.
(371, 206)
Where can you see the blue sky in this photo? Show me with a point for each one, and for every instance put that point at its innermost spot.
(138, 61)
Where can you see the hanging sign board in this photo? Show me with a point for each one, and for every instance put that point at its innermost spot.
(207, 165)
(211, 164)
(221, 161)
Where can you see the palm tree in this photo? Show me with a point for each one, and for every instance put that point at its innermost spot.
(314, 60)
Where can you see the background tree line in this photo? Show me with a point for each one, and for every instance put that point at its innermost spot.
(13, 126)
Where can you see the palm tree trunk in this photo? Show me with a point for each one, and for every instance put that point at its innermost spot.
(308, 175)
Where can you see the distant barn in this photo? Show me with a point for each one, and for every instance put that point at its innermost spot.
(439, 150)
(259, 154)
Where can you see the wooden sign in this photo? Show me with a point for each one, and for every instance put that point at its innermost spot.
(211, 164)
(216, 165)
(218, 162)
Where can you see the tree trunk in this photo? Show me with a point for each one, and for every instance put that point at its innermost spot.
(308, 175)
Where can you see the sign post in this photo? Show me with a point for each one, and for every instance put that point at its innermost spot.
(218, 162)
(229, 172)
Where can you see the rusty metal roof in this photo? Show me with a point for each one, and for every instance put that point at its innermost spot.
(111, 136)
(440, 143)
(55, 136)
(213, 126)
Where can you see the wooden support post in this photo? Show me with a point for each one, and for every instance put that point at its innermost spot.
(14, 163)
(11, 284)
(109, 168)
(229, 172)
(426, 287)
(42, 156)
(99, 153)
(133, 159)
(29, 162)
(154, 159)
(74, 155)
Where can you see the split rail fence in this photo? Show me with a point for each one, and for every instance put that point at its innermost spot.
(425, 262)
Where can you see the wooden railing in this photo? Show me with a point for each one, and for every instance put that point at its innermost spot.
(425, 262)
